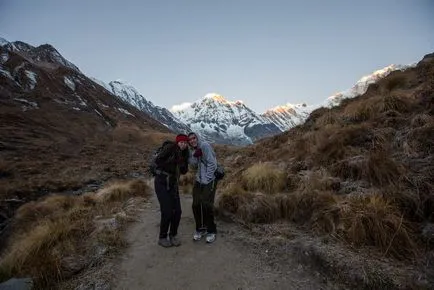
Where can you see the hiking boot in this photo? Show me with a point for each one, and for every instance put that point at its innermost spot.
(210, 238)
(197, 236)
(175, 241)
(164, 242)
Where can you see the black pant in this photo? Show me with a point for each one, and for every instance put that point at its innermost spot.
(170, 206)
(203, 206)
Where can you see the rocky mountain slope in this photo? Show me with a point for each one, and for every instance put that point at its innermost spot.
(59, 130)
(129, 94)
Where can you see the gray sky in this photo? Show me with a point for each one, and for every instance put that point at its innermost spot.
(265, 53)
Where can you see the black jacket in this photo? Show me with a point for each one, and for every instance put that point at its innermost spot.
(172, 160)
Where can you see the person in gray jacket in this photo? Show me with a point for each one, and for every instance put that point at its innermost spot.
(204, 159)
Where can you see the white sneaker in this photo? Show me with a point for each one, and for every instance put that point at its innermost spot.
(210, 238)
(197, 236)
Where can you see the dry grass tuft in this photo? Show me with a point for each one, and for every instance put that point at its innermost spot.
(394, 103)
(421, 140)
(38, 250)
(47, 233)
(261, 208)
(264, 177)
(335, 143)
(373, 221)
(120, 191)
(319, 180)
(328, 118)
(421, 120)
(307, 203)
(377, 167)
(232, 197)
(359, 111)
(394, 82)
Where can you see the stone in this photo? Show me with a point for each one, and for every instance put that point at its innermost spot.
(17, 284)
(428, 232)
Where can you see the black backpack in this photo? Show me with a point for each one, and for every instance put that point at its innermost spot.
(152, 165)
(219, 172)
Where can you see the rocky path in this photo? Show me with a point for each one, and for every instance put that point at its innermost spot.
(229, 263)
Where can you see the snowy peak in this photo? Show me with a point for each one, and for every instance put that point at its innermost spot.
(362, 84)
(220, 99)
(223, 121)
(287, 116)
(3, 41)
(129, 94)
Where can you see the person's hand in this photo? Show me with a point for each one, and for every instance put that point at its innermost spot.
(197, 153)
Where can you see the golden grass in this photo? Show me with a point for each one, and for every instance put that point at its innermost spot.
(48, 231)
(377, 167)
(379, 145)
(307, 203)
(232, 197)
(360, 220)
(264, 177)
(421, 140)
(319, 180)
(395, 81)
(358, 110)
(120, 191)
(398, 103)
(261, 208)
(373, 221)
(328, 118)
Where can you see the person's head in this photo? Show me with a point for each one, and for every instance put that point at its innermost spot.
(192, 139)
(182, 141)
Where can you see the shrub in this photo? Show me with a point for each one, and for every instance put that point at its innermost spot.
(49, 233)
(264, 177)
(377, 167)
(259, 209)
(120, 191)
(373, 221)
(232, 197)
(394, 82)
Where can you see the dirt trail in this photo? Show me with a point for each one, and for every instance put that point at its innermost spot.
(229, 263)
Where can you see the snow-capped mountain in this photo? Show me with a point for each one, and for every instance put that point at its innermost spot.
(52, 112)
(287, 116)
(32, 78)
(362, 85)
(130, 95)
(222, 121)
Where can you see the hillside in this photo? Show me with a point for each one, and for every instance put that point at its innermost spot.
(129, 94)
(360, 173)
(59, 131)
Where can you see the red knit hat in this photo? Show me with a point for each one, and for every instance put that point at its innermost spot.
(181, 137)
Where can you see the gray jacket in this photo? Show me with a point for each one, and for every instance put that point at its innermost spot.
(207, 164)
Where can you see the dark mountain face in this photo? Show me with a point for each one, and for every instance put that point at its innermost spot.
(60, 131)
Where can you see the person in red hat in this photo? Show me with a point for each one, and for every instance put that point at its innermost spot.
(170, 162)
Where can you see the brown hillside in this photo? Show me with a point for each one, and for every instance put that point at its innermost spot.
(362, 172)
(55, 138)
